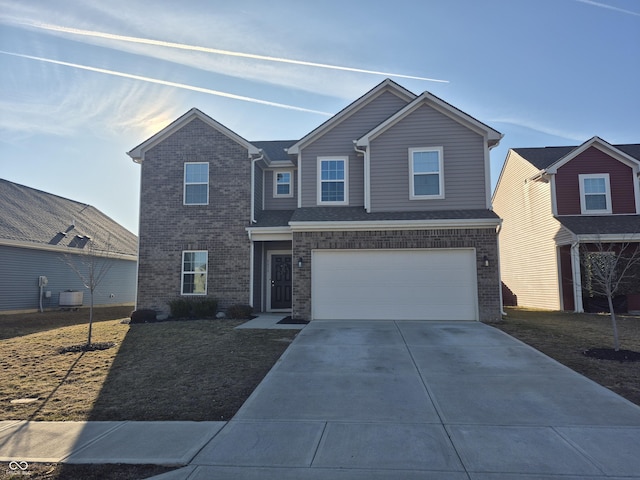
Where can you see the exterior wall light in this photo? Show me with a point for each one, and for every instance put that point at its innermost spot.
(485, 260)
(300, 262)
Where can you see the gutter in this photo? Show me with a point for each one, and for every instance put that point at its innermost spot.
(253, 184)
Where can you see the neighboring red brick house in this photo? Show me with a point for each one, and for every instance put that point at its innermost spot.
(382, 212)
(554, 202)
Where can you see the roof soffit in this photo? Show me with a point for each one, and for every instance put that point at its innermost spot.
(137, 153)
(385, 86)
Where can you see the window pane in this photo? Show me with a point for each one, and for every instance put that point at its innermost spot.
(425, 162)
(199, 283)
(332, 170)
(198, 172)
(332, 191)
(594, 185)
(283, 177)
(595, 202)
(426, 185)
(196, 194)
(188, 283)
(283, 189)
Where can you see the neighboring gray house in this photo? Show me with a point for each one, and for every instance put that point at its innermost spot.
(41, 233)
(382, 212)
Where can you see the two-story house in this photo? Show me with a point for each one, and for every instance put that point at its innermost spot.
(557, 202)
(381, 212)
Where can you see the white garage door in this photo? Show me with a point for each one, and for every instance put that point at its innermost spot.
(438, 284)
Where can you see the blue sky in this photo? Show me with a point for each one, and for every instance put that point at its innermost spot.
(542, 72)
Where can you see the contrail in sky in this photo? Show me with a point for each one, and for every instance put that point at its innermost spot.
(610, 7)
(170, 84)
(182, 46)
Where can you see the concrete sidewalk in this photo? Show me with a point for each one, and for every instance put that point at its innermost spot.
(361, 399)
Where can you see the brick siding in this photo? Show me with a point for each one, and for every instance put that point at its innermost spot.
(167, 227)
(483, 240)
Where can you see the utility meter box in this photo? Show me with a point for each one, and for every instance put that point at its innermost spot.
(70, 299)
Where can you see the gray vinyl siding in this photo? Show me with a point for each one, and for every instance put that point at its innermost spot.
(258, 190)
(528, 252)
(339, 142)
(21, 268)
(463, 163)
(281, 203)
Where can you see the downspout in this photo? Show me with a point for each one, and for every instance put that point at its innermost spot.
(366, 175)
(577, 277)
(253, 185)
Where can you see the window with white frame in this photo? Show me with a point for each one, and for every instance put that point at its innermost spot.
(426, 176)
(333, 181)
(196, 183)
(194, 272)
(283, 184)
(595, 193)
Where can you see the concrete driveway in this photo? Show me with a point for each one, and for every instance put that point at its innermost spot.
(369, 400)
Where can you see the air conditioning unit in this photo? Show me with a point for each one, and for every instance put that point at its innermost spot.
(70, 299)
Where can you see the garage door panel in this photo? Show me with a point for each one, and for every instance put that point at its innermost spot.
(394, 284)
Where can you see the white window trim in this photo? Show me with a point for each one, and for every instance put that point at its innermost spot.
(184, 272)
(184, 183)
(346, 180)
(275, 184)
(583, 203)
(412, 195)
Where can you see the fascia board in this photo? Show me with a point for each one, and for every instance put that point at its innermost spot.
(609, 238)
(65, 250)
(386, 85)
(137, 153)
(601, 145)
(394, 225)
(266, 234)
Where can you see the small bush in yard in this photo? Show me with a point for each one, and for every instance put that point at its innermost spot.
(240, 312)
(204, 308)
(180, 308)
(143, 316)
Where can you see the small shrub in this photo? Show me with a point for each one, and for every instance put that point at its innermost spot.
(204, 308)
(180, 308)
(239, 312)
(143, 316)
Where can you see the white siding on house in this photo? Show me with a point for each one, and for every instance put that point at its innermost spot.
(528, 253)
(339, 141)
(463, 163)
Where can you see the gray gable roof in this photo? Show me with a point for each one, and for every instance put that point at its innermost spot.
(543, 157)
(273, 218)
(601, 224)
(275, 150)
(35, 218)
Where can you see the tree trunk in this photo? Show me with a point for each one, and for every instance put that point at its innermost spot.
(90, 320)
(616, 340)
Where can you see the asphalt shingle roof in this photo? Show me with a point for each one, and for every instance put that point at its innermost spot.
(275, 150)
(543, 157)
(33, 216)
(358, 214)
(273, 218)
(601, 225)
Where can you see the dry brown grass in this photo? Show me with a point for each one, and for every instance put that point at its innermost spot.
(190, 370)
(564, 336)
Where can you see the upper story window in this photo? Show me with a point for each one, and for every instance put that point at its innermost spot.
(283, 184)
(333, 180)
(196, 183)
(426, 178)
(595, 193)
(194, 272)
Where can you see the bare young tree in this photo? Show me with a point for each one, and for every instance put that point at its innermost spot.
(611, 269)
(91, 265)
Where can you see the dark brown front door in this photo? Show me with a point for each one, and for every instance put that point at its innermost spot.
(280, 282)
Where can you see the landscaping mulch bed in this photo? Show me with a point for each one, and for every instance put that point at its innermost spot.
(53, 471)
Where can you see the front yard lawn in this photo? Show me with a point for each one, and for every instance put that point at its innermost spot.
(178, 370)
(565, 336)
